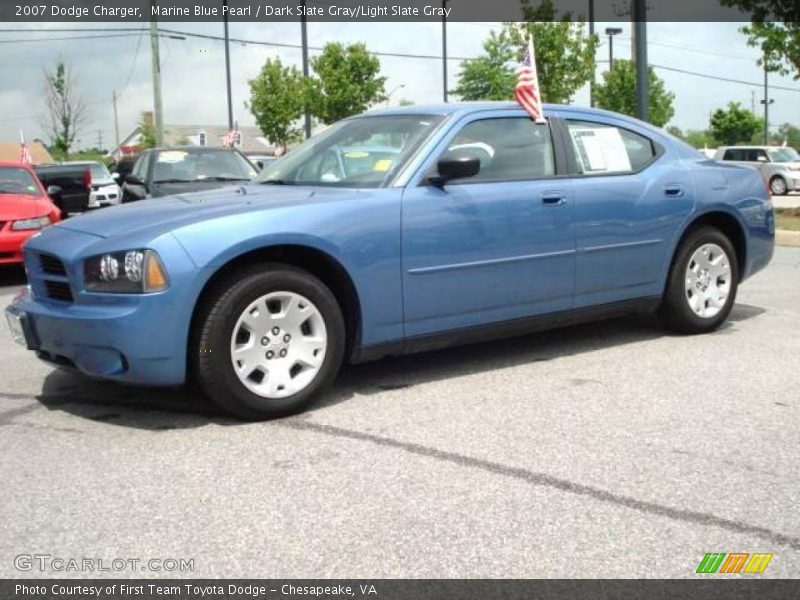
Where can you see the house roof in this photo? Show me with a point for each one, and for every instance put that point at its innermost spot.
(9, 151)
(175, 135)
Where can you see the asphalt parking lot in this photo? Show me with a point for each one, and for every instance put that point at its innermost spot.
(605, 450)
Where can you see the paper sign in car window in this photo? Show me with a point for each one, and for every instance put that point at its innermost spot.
(356, 154)
(383, 164)
(172, 156)
(601, 150)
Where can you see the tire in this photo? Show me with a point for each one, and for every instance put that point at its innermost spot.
(693, 300)
(265, 306)
(777, 186)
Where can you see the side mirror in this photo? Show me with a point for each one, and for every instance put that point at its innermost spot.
(456, 166)
(54, 191)
(260, 165)
(115, 176)
(132, 179)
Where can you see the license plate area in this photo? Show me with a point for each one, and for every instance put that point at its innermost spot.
(20, 329)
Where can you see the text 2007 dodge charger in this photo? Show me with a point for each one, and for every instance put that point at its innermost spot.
(392, 232)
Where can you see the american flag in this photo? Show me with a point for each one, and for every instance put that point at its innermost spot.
(527, 90)
(229, 139)
(24, 151)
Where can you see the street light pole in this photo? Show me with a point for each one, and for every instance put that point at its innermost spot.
(611, 32)
(594, 69)
(444, 51)
(642, 81)
(228, 66)
(766, 102)
(155, 60)
(304, 42)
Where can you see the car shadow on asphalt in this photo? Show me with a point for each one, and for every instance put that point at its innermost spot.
(159, 409)
(12, 275)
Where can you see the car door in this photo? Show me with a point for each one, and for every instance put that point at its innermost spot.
(494, 247)
(631, 197)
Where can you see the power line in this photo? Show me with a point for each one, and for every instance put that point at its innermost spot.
(72, 37)
(718, 78)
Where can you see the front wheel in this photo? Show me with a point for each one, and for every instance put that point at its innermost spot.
(777, 186)
(702, 284)
(267, 342)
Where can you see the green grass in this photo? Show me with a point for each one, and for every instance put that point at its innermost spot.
(787, 218)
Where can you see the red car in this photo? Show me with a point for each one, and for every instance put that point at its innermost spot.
(25, 208)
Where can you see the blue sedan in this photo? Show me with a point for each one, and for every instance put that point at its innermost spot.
(393, 232)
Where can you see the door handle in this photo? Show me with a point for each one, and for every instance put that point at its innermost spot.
(673, 190)
(553, 198)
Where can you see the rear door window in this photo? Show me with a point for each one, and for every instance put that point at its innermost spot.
(605, 149)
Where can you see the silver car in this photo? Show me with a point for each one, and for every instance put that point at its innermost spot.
(105, 187)
(779, 165)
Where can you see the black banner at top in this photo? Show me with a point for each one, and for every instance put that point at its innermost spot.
(122, 11)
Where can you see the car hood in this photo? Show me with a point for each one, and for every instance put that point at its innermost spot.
(172, 212)
(159, 190)
(20, 206)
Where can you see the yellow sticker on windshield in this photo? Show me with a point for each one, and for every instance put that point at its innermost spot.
(383, 164)
(356, 154)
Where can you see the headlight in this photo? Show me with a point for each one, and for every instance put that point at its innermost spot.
(36, 223)
(129, 272)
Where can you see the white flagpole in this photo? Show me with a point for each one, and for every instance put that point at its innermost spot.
(535, 73)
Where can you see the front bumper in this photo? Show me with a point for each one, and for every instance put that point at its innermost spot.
(11, 244)
(134, 338)
(109, 195)
(124, 343)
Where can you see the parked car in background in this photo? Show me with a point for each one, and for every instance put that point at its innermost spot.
(260, 160)
(105, 190)
(72, 184)
(25, 209)
(123, 167)
(779, 165)
(396, 231)
(166, 171)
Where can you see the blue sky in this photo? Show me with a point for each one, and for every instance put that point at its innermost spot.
(194, 76)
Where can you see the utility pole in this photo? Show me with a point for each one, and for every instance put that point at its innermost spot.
(594, 69)
(156, 67)
(228, 64)
(642, 81)
(116, 118)
(444, 52)
(304, 41)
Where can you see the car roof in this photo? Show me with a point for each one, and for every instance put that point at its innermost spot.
(189, 149)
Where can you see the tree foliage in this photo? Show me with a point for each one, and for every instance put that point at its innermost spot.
(617, 92)
(346, 82)
(787, 133)
(490, 76)
(277, 100)
(65, 107)
(565, 56)
(734, 125)
(775, 29)
(147, 129)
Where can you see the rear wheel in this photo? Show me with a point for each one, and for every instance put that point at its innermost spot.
(702, 284)
(267, 342)
(777, 186)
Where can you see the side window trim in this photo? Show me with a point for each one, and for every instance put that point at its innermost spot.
(572, 161)
(559, 155)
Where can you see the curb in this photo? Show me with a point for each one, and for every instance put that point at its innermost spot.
(784, 237)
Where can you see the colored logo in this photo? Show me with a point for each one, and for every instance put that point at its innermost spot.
(734, 562)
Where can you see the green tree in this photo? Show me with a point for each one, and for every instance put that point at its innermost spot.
(490, 76)
(276, 101)
(699, 139)
(787, 133)
(734, 125)
(147, 131)
(65, 108)
(676, 131)
(346, 82)
(618, 93)
(565, 56)
(775, 29)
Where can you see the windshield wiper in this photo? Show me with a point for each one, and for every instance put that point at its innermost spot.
(221, 178)
(274, 182)
(175, 180)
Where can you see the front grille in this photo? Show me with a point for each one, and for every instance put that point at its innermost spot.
(2, 224)
(100, 197)
(58, 290)
(52, 265)
(6, 254)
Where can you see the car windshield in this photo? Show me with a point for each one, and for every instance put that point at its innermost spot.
(365, 152)
(16, 180)
(783, 155)
(209, 165)
(99, 172)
